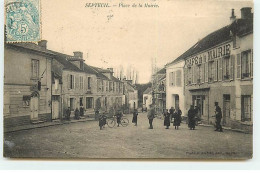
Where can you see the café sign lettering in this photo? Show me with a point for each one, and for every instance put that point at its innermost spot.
(217, 52)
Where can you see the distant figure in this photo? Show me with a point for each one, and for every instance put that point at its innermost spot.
(135, 114)
(167, 120)
(191, 118)
(177, 118)
(218, 115)
(77, 114)
(102, 121)
(172, 111)
(81, 110)
(118, 117)
(150, 116)
(68, 112)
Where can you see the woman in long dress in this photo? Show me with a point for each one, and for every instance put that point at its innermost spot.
(167, 116)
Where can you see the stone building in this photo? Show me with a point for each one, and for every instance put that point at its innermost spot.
(147, 98)
(219, 68)
(27, 83)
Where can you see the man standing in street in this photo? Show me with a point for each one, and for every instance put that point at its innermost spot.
(68, 112)
(218, 115)
(150, 116)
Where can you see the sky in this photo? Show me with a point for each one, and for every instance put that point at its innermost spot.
(131, 37)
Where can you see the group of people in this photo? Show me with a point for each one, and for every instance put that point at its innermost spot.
(173, 116)
(78, 113)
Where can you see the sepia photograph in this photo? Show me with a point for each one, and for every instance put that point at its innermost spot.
(128, 79)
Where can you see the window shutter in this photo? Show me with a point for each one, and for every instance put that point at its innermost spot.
(202, 73)
(232, 63)
(186, 75)
(251, 64)
(173, 78)
(73, 81)
(170, 78)
(216, 70)
(192, 75)
(220, 69)
(239, 66)
(68, 81)
(206, 71)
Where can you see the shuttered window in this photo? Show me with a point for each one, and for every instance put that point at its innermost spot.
(251, 64)
(173, 78)
(81, 82)
(238, 66)
(202, 73)
(178, 78)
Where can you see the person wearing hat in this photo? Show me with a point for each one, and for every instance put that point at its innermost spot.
(134, 120)
(218, 115)
(191, 118)
(150, 116)
(68, 112)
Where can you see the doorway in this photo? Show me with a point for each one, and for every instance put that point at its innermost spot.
(34, 107)
(226, 110)
(55, 107)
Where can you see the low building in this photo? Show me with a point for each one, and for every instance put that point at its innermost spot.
(27, 83)
(147, 98)
(130, 95)
(219, 68)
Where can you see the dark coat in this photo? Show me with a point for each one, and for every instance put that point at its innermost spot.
(81, 110)
(151, 114)
(166, 119)
(102, 120)
(177, 118)
(135, 117)
(118, 117)
(77, 114)
(191, 118)
(218, 113)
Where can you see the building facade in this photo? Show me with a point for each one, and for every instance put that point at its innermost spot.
(27, 84)
(175, 85)
(147, 98)
(219, 68)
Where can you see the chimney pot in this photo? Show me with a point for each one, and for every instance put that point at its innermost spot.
(232, 17)
(43, 44)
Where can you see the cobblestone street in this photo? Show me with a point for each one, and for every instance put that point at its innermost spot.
(85, 140)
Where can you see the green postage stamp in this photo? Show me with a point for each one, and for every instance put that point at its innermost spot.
(22, 20)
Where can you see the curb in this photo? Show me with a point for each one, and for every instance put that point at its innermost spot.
(46, 125)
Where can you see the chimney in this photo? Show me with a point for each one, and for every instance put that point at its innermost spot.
(246, 13)
(78, 54)
(43, 44)
(233, 17)
(111, 69)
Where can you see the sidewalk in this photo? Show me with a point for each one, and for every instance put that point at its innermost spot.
(45, 124)
(226, 128)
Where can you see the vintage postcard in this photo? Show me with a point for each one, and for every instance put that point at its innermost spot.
(128, 79)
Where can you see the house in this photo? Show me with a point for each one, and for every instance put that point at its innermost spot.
(130, 95)
(27, 84)
(159, 90)
(219, 68)
(147, 98)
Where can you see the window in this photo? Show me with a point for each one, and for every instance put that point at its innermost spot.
(72, 107)
(246, 108)
(35, 69)
(199, 74)
(56, 84)
(178, 78)
(71, 82)
(189, 75)
(81, 101)
(245, 64)
(107, 83)
(89, 82)
(211, 71)
(226, 68)
(81, 82)
(89, 102)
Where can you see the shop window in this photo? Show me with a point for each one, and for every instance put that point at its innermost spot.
(246, 104)
(35, 68)
(89, 102)
(245, 64)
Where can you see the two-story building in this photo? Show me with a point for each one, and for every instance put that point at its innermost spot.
(27, 84)
(147, 98)
(130, 95)
(219, 68)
